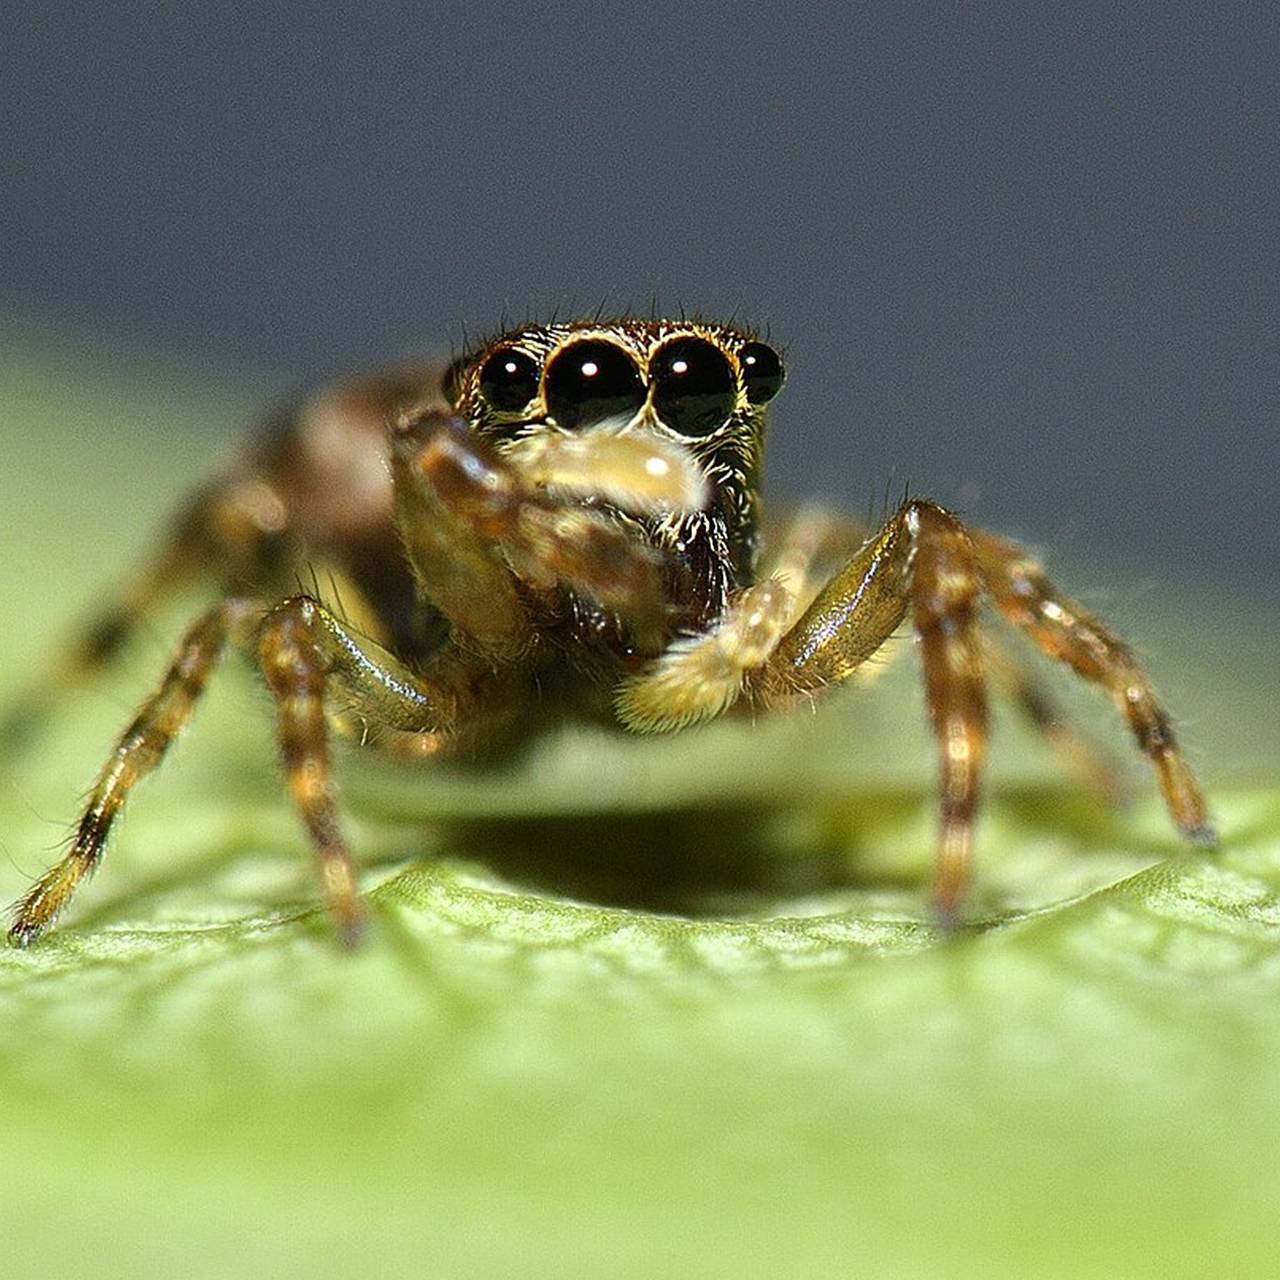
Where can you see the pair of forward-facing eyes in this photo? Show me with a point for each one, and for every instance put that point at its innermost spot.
(694, 382)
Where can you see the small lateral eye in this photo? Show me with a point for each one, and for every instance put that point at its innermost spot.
(762, 371)
(591, 380)
(509, 380)
(693, 386)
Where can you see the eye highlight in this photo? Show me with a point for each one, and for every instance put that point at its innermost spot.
(589, 381)
(509, 380)
(762, 371)
(693, 385)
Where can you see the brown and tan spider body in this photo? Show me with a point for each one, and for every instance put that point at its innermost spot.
(571, 507)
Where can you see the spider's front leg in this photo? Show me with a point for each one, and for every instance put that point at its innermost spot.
(311, 664)
(926, 561)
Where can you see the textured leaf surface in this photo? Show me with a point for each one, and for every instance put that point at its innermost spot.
(630, 1008)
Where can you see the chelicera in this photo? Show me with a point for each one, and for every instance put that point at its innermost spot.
(572, 507)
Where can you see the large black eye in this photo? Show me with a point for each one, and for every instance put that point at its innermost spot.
(762, 371)
(509, 380)
(693, 388)
(591, 380)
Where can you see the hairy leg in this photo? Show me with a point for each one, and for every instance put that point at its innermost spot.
(813, 543)
(313, 483)
(811, 540)
(925, 560)
(700, 676)
(311, 664)
(1063, 629)
(945, 591)
(138, 750)
(921, 561)
(1087, 758)
(227, 531)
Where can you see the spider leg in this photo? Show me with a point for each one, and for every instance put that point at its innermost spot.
(812, 544)
(316, 475)
(449, 496)
(1089, 760)
(926, 560)
(306, 655)
(311, 664)
(138, 751)
(231, 529)
(1063, 629)
(944, 590)
(700, 676)
(922, 559)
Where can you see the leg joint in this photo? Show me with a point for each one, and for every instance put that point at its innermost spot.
(287, 650)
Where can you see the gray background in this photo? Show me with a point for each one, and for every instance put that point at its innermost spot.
(1023, 256)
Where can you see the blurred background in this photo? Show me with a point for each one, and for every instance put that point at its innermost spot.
(1022, 257)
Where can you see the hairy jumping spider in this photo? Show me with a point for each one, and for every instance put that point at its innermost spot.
(580, 499)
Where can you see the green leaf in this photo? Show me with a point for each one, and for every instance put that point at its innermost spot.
(630, 1007)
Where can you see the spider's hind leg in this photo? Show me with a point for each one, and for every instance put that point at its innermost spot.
(1089, 760)
(227, 530)
(314, 476)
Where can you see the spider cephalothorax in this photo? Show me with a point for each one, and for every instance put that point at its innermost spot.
(703, 387)
(571, 512)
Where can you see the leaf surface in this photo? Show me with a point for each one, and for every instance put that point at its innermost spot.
(633, 1008)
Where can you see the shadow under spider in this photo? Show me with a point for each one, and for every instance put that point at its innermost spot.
(678, 862)
(752, 860)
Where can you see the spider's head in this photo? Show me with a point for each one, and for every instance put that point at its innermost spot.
(703, 386)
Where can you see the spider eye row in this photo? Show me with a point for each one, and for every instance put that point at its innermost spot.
(591, 380)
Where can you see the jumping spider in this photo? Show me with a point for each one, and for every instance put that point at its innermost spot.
(572, 507)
